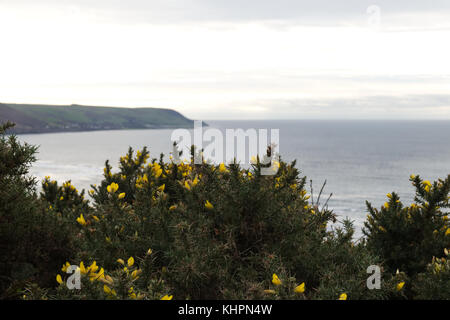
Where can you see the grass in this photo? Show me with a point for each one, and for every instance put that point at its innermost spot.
(54, 118)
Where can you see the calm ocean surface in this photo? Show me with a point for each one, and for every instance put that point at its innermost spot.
(361, 160)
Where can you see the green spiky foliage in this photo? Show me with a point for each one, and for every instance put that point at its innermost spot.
(156, 229)
(408, 237)
(31, 238)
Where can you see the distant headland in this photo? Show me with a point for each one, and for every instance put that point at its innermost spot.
(37, 118)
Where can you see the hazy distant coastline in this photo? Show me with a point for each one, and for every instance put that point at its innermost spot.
(31, 118)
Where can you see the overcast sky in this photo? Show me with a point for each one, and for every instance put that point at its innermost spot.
(231, 59)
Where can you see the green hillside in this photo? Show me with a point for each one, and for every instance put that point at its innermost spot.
(57, 118)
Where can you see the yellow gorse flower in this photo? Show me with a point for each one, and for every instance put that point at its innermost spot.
(300, 288)
(277, 164)
(400, 285)
(65, 266)
(194, 183)
(222, 168)
(100, 274)
(121, 261)
(208, 205)
(112, 188)
(81, 220)
(83, 270)
(93, 267)
(97, 276)
(158, 173)
(122, 195)
(108, 290)
(167, 297)
(275, 280)
(270, 291)
(161, 187)
(135, 274)
(59, 279)
(426, 183)
(133, 295)
(106, 280)
(343, 296)
(130, 262)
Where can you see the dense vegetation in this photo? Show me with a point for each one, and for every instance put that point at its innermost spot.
(157, 230)
(48, 118)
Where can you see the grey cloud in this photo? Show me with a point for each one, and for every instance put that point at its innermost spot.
(383, 107)
(299, 11)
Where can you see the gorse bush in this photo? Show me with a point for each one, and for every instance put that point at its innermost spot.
(65, 198)
(435, 282)
(32, 237)
(156, 230)
(408, 237)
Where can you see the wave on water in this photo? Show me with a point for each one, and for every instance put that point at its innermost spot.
(81, 175)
